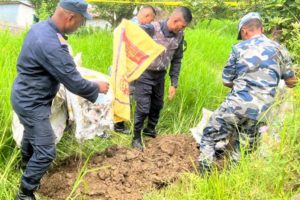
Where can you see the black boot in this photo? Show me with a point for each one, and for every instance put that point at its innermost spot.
(137, 141)
(121, 128)
(137, 144)
(24, 194)
(150, 132)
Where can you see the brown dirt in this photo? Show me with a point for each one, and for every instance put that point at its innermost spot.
(124, 173)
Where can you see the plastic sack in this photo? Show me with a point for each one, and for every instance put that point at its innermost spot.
(58, 118)
(89, 119)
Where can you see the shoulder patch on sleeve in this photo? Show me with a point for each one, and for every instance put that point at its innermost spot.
(62, 39)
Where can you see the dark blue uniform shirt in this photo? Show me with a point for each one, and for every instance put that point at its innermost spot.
(44, 63)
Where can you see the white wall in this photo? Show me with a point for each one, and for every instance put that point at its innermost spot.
(25, 16)
(9, 13)
(100, 23)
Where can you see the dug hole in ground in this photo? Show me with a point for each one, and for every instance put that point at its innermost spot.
(124, 173)
(118, 172)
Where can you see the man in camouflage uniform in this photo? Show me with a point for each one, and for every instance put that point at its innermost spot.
(146, 15)
(149, 88)
(253, 71)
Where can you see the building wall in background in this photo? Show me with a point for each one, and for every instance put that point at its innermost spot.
(16, 14)
(25, 15)
(98, 23)
(9, 13)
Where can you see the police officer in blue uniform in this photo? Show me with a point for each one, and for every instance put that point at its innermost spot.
(44, 62)
(149, 88)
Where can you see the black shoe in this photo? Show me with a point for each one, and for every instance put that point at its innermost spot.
(137, 144)
(25, 195)
(120, 128)
(204, 168)
(149, 132)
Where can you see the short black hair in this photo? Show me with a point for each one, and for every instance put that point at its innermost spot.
(186, 13)
(149, 7)
(253, 24)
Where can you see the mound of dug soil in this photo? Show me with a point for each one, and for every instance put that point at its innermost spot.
(124, 173)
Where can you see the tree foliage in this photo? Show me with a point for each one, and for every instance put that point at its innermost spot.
(281, 17)
(44, 8)
(282, 20)
(113, 12)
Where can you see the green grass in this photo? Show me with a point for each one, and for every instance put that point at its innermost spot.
(9, 154)
(209, 43)
(274, 177)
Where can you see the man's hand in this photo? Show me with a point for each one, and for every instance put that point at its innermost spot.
(230, 85)
(103, 86)
(172, 92)
(291, 82)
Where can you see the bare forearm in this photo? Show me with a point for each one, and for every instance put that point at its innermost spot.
(291, 82)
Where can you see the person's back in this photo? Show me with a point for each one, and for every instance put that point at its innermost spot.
(43, 63)
(260, 64)
(253, 71)
(33, 83)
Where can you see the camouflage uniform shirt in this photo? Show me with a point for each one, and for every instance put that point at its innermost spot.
(255, 67)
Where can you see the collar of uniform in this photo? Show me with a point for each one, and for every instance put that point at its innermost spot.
(259, 35)
(165, 30)
(52, 24)
(135, 20)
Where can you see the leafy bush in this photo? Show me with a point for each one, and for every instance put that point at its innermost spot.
(282, 21)
(281, 17)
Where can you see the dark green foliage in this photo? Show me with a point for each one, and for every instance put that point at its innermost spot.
(115, 12)
(281, 17)
(44, 9)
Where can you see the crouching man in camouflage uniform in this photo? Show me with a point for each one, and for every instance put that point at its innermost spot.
(253, 71)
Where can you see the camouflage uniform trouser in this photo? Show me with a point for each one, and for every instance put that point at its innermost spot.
(222, 125)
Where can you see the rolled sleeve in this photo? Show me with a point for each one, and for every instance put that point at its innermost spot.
(286, 65)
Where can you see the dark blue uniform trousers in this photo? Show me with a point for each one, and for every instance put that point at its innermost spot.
(148, 94)
(37, 150)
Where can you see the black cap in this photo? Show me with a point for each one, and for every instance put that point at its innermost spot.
(77, 6)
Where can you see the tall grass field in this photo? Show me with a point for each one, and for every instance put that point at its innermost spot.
(275, 176)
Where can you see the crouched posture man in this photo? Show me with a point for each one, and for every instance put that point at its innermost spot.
(253, 71)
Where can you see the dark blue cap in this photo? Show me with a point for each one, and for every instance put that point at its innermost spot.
(77, 6)
(245, 19)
